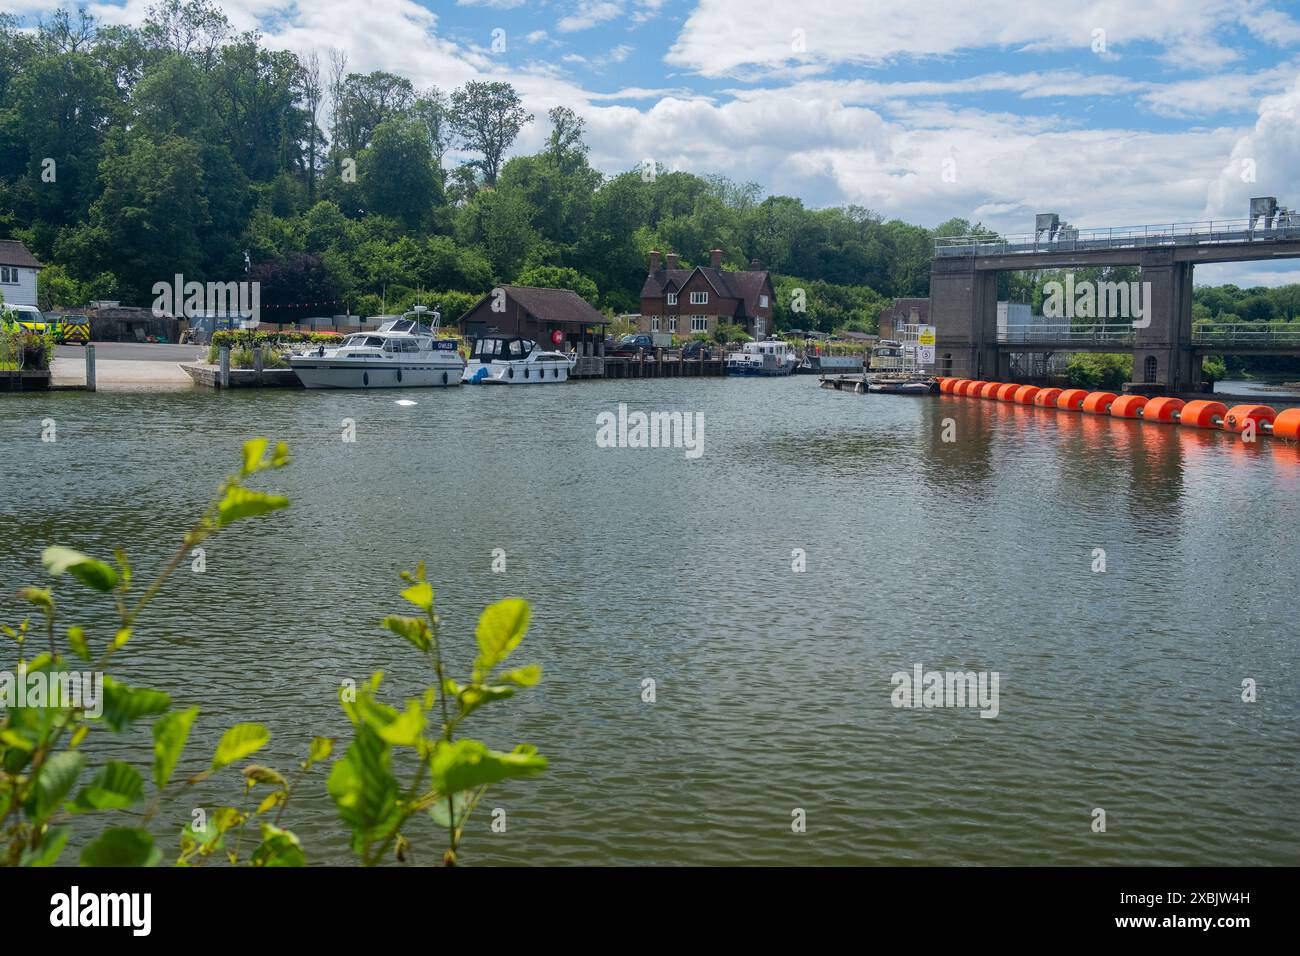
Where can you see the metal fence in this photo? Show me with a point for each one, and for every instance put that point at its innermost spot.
(1069, 334)
(1207, 232)
(1231, 333)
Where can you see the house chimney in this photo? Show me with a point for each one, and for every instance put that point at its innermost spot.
(654, 260)
(672, 260)
(715, 258)
(755, 266)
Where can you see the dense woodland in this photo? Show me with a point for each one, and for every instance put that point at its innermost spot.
(131, 154)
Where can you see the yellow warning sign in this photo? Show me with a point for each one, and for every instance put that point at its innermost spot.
(925, 335)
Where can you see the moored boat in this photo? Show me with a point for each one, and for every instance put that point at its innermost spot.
(497, 359)
(401, 353)
(770, 357)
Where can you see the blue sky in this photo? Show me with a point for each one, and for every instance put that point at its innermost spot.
(1109, 112)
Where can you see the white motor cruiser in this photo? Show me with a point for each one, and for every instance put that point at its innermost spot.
(769, 357)
(402, 353)
(510, 360)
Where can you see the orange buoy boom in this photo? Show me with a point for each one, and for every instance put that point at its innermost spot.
(1128, 406)
(1098, 403)
(1239, 415)
(1203, 414)
(1162, 409)
(1287, 424)
(1071, 399)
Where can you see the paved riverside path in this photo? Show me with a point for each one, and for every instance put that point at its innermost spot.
(127, 365)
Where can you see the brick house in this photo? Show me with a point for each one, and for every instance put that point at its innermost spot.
(18, 269)
(687, 301)
(903, 312)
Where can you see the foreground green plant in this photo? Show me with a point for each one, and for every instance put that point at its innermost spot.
(451, 774)
(44, 741)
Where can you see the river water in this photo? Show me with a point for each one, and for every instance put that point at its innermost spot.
(1119, 690)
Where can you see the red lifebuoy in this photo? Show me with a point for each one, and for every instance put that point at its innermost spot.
(557, 337)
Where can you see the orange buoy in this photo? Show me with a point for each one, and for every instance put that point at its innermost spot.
(1025, 394)
(1072, 399)
(1098, 403)
(1287, 424)
(1007, 392)
(1203, 414)
(989, 390)
(961, 386)
(1162, 409)
(972, 389)
(1046, 397)
(1128, 406)
(1238, 415)
(946, 385)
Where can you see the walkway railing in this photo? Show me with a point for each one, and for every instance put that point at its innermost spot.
(1206, 232)
(1230, 333)
(1066, 334)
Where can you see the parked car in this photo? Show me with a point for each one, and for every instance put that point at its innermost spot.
(632, 345)
(74, 329)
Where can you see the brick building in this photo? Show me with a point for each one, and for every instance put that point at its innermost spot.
(688, 301)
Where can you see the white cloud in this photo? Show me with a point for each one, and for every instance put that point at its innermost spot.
(729, 37)
(588, 14)
(1265, 161)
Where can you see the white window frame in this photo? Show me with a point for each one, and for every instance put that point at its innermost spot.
(11, 272)
(699, 298)
(672, 323)
(654, 323)
(699, 323)
(672, 298)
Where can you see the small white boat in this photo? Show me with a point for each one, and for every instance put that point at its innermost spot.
(510, 360)
(769, 357)
(402, 353)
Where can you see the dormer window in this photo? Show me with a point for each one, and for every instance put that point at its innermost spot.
(699, 298)
(762, 302)
(672, 298)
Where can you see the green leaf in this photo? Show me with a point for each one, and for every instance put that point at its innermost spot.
(121, 846)
(526, 676)
(116, 786)
(474, 696)
(53, 781)
(414, 629)
(123, 704)
(257, 773)
(404, 731)
(278, 848)
(500, 629)
(467, 764)
(238, 742)
(77, 641)
(47, 854)
(420, 594)
(254, 450)
(461, 802)
(321, 748)
(41, 597)
(170, 732)
(240, 503)
(363, 789)
(87, 570)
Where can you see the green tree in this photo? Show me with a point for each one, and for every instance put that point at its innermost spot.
(488, 118)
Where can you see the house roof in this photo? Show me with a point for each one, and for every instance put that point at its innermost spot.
(745, 286)
(14, 253)
(551, 305)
